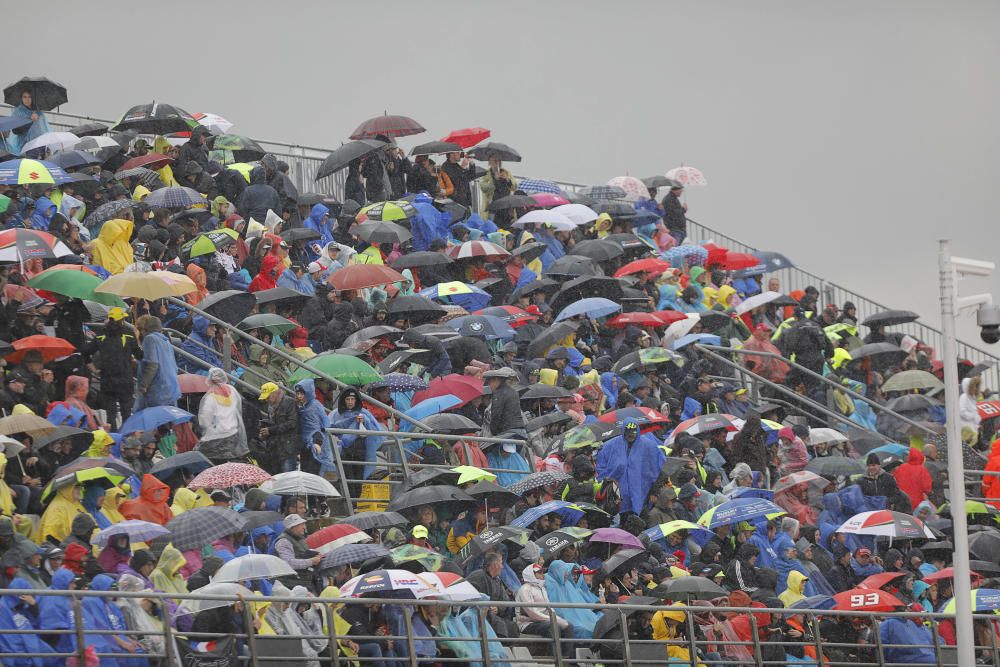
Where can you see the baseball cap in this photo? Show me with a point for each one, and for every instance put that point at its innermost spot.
(314, 267)
(117, 314)
(266, 390)
(292, 520)
(509, 447)
(420, 532)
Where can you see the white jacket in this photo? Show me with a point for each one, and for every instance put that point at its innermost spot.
(533, 591)
(968, 415)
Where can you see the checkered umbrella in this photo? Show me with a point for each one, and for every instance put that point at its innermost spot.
(695, 254)
(404, 382)
(530, 185)
(137, 531)
(609, 192)
(350, 554)
(174, 197)
(537, 480)
(106, 212)
(253, 566)
(228, 475)
(201, 525)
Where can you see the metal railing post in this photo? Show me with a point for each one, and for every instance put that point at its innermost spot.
(484, 640)
(81, 639)
(556, 639)
(411, 646)
(251, 632)
(344, 486)
(755, 637)
(691, 636)
(817, 642)
(876, 632)
(331, 630)
(168, 636)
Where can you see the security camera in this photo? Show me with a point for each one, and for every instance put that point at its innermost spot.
(988, 319)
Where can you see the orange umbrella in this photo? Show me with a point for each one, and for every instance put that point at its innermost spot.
(51, 348)
(360, 276)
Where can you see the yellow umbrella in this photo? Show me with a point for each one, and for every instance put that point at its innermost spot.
(472, 474)
(150, 286)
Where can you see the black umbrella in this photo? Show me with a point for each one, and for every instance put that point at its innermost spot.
(416, 260)
(888, 318)
(375, 331)
(231, 306)
(400, 357)
(190, 462)
(538, 391)
(887, 353)
(89, 129)
(660, 182)
(911, 402)
(614, 208)
(834, 466)
(299, 234)
(309, 199)
(73, 159)
(106, 212)
(243, 148)
(598, 250)
(494, 149)
(415, 305)
(453, 496)
(258, 518)
(490, 538)
(630, 242)
(986, 568)
(435, 147)
(451, 424)
(557, 417)
(343, 156)
(511, 201)
(79, 438)
(985, 544)
(609, 628)
(574, 265)
(554, 542)
(45, 94)
(431, 477)
(622, 560)
(382, 232)
(547, 285)
(492, 494)
(587, 286)
(370, 520)
(693, 588)
(278, 294)
(156, 118)
(550, 337)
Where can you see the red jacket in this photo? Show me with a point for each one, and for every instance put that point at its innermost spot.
(913, 478)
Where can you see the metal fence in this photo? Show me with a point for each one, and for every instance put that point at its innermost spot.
(423, 632)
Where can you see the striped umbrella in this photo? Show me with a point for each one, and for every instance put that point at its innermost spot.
(137, 531)
(660, 531)
(741, 509)
(19, 244)
(337, 535)
(470, 249)
(27, 172)
(887, 524)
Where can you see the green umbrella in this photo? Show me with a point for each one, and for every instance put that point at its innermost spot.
(209, 242)
(347, 369)
(430, 560)
(78, 284)
(276, 324)
(386, 211)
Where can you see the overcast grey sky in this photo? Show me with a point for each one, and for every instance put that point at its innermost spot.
(848, 135)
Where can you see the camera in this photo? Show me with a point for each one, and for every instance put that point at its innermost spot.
(988, 319)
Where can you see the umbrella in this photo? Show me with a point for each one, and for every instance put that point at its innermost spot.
(533, 514)
(593, 308)
(512, 315)
(174, 197)
(20, 244)
(435, 147)
(109, 463)
(482, 326)
(530, 251)
(69, 159)
(864, 599)
(888, 318)
(276, 324)
(985, 545)
(156, 118)
(489, 252)
(634, 188)
(243, 148)
(911, 402)
(382, 232)
(373, 332)
(347, 153)
(429, 476)
(361, 276)
(548, 200)
(137, 531)
(389, 126)
(615, 208)
(152, 418)
(11, 447)
(370, 520)
(653, 265)
(25, 423)
(538, 480)
(190, 462)
(51, 348)
(551, 336)
(411, 553)
(642, 415)
(492, 494)
(400, 357)
(429, 495)
(540, 391)
(9, 124)
(741, 509)
(835, 466)
(201, 604)
(887, 353)
(687, 176)
(946, 573)
(209, 242)
(693, 588)
(604, 192)
(297, 482)
(617, 536)
(886, 523)
(650, 356)
(639, 319)
(228, 475)
(757, 301)
(449, 586)
(107, 211)
(551, 217)
(404, 382)
(350, 554)
(983, 599)
(458, 293)
(45, 94)
(659, 182)
(465, 387)
(815, 602)
(825, 436)
(383, 581)
(912, 380)
(276, 294)
(800, 477)
(416, 260)
(51, 141)
(329, 538)
(623, 559)
(346, 368)
(706, 423)
(707, 339)
(150, 286)
(452, 424)
(230, 306)
(30, 172)
(660, 531)
(491, 537)
(587, 286)
(149, 161)
(577, 213)
(215, 123)
(548, 419)
(574, 266)
(552, 543)
(387, 211)
(495, 149)
(200, 526)
(532, 185)
(467, 137)
(98, 476)
(253, 566)
(598, 250)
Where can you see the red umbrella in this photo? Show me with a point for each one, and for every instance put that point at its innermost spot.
(465, 387)
(879, 580)
(337, 535)
(488, 251)
(670, 316)
(988, 409)
(149, 161)
(228, 475)
(468, 137)
(946, 573)
(715, 253)
(655, 418)
(20, 244)
(192, 384)
(512, 315)
(647, 265)
(734, 261)
(623, 320)
(359, 276)
(389, 126)
(864, 599)
(52, 348)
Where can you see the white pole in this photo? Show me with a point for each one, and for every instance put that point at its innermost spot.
(965, 640)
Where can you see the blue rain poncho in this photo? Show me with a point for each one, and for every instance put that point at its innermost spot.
(15, 615)
(561, 587)
(55, 612)
(465, 625)
(196, 345)
(633, 469)
(312, 420)
(164, 389)
(348, 419)
(16, 140)
(508, 460)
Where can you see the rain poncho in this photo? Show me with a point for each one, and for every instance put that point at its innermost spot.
(634, 468)
(6, 499)
(195, 345)
(104, 614)
(316, 223)
(112, 249)
(16, 615)
(428, 224)
(45, 209)
(312, 421)
(109, 509)
(164, 389)
(906, 641)
(343, 418)
(77, 388)
(55, 612)
(561, 587)
(466, 626)
(151, 505)
(200, 280)
(795, 584)
(92, 500)
(611, 385)
(166, 576)
(184, 499)
(57, 520)
(498, 458)
(16, 140)
(220, 416)
(768, 368)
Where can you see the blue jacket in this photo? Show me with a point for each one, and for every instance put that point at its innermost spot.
(635, 470)
(16, 616)
(164, 389)
(312, 420)
(909, 635)
(428, 224)
(199, 334)
(55, 612)
(315, 223)
(305, 284)
(44, 210)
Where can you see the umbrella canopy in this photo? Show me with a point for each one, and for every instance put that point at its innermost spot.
(864, 599)
(191, 462)
(801, 477)
(343, 156)
(482, 326)
(79, 438)
(199, 605)
(253, 566)
(660, 531)
(361, 276)
(373, 332)
(693, 588)
(344, 367)
(687, 176)
(106, 212)
(209, 242)
(983, 599)
(835, 466)
(435, 147)
(350, 554)
(885, 352)
(888, 524)
(228, 475)
(430, 495)
(633, 188)
(51, 141)
(574, 266)
(912, 380)
(45, 93)
(548, 200)
(491, 537)
(911, 403)
(137, 531)
(416, 260)
(577, 213)
(555, 219)
(653, 265)
(389, 126)
(276, 324)
(404, 382)
(554, 542)
(150, 286)
(825, 436)
(415, 305)
(156, 118)
(985, 545)
(454, 424)
(598, 250)
(533, 185)
(20, 244)
(512, 315)
(25, 423)
(654, 356)
(493, 495)
(622, 559)
(149, 160)
(329, 538)
(70, 159)
(465, 387)
(30, 172)
(604, 192)
(411, 553)
(495, 149)
(51, 348)
(370, 520)
(489, 252)
(382, 232)
(539, 480)
(888, 318)
(533, 514)
(174, 197)
(214, 122)
(593, 308)
(230, 306)
(467, 137)
(617, 536)
(244, 149)
(741, 509)
(387, 211)
(383, 581)
(151, 418)
(200, 526)
(297, 482)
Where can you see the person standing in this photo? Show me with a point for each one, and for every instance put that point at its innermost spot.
(39, 125)
(634, 462)
(115, 357)
(157, 375)
(675, 213)
(461, 174)
(496, 184)
(279, 433)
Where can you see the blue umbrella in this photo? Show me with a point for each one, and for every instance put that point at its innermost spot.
(535, 513)
(489, 327)
(815, 602)
(431, 406)
(474, 300)
(593, 308)
(749, 492)
(151, 418)
(694, 254)
(708, 339)
(892, 449)
(534, 185)
(772, 261)
(644, 217)
(741, 509)
(192, 462)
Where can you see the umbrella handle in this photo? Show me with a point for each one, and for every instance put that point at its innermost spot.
(20, 463)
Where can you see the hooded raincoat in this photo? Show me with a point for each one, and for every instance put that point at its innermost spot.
(561, 587)
(634, 467)
(57, 520)
(151, 505)
(312, 421)
(112, 249)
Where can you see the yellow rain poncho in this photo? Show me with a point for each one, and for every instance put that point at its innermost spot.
(184, 500)
(140, 193)
(58, 517)
(342, 627)
(112, 249)
(723, 295)
(795, 591)
(99, 444)
(6, 499)
(534, 265)
(166, 172)
(166, 576)
(548, 376)
(112, 499)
